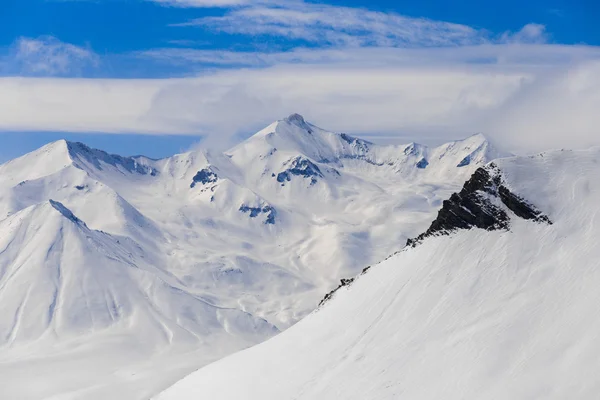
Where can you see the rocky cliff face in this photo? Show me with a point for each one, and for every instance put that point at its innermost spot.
(484, 202)
(204, 177)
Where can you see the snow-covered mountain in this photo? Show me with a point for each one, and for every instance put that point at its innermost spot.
(497, 299)
(113, 268)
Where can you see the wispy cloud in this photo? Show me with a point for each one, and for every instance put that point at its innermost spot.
(530, 33)
(505, 54)
(46, 55)
(340, 26)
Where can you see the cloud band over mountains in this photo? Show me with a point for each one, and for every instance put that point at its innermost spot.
(347, 69)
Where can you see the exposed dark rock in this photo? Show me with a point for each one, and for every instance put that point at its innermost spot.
(480, 205)
(347, 138)
(465, 161)
(256, 211)
(520, 207)
(269, 154)
(204, 176)
(80, 187)
(303, 167)
(66, 212)
(343, 283)
(411, 150)
(328, 296)
(422, 164)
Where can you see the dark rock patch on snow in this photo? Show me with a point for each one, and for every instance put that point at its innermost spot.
(343, 283)
(328, 296)
(412, 149)
(482, 203)
(256, 211)
(58, 206)
(204, 176)
(422, 164)
(302, 167)
(465, 161)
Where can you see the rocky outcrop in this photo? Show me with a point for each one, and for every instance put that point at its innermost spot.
(422, 164)
(254, 212)
(328, 296)
(204, 176)
(464, 162)
(484, 202)
(302, 167)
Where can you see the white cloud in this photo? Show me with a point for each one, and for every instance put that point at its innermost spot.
(490, 54)
(531, 97)
(340, 26)
(344, 26)
(530, 33)
(377, 74)
(46, 55)
(557, 110)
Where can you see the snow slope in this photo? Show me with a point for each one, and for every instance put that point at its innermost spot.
(473, 314)
(64, 283)
(119, 275)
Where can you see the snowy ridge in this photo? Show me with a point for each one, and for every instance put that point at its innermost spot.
(112, 261)
(483, 314)
(107, 273)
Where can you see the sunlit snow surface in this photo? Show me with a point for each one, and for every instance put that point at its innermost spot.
(474, 315)
(118, 276)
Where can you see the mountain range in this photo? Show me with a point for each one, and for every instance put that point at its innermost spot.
(497, 299)
(119, 275)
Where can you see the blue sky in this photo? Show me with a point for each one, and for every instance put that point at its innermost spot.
(174, 72)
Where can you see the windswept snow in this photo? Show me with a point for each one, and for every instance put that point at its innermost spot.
(503, 314)
(118, 275)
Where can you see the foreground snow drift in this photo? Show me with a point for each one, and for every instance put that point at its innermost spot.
(503, 314)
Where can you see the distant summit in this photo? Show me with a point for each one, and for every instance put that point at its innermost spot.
(295, 119)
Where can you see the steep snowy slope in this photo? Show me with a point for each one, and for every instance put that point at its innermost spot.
(61, 282)
(170, 264)
(510, 312)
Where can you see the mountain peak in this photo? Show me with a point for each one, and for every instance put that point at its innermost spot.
(296, 119)
(478, 136)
